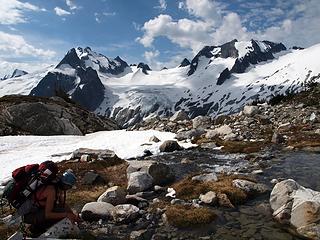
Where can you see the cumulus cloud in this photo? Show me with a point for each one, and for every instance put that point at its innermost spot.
(72, 5)
(162, 5)
(61, 12)
(15, 45)
(151, 55)
(184, 32)
(12, 12)
(293, 22)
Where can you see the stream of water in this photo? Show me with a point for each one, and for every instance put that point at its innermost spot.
(252, 220)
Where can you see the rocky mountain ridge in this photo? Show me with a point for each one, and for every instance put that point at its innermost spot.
(219, 80)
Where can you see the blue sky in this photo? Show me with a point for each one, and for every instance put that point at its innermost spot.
(159, 32)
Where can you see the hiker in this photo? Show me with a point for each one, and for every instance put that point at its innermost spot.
(50, 206)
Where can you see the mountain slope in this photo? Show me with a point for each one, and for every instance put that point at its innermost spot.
(219, 80)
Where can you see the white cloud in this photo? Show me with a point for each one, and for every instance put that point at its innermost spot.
(12, 11)
(12, 45)
(151, 55)
(108, 14)
(293, 22)
(162, 5)
(99, 16)
(186, 33)
(71, 4)
(61, 12)
(7, 67)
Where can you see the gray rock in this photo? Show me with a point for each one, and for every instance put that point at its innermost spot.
(139, 182)
(191, 134)
(105, 155)
(42, 116)
(154, 139)
(63, 228)
(250, 110)
(179, 116)
(170, 146)
(201, 122)
(209, 177)
(299, 206)
(250, 187)
(209, 198)
(92, 178)
(115, 195)
(125, 213)
(94, 211)
(161, 174)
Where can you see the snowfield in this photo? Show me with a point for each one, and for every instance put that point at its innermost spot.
(16, 151)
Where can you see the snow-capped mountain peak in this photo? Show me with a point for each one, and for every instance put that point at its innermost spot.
(219, 80)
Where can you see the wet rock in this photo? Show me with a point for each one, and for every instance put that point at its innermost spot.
(125, 213)
(170, 146)
(92, 178)
(209, 177)
(250, 110)
(297, 205)
(201, 122)
(154, 139)
(179, 116)
(250, 187)
(209, 198)
(115, 195)
(94, 211)
(139, 182)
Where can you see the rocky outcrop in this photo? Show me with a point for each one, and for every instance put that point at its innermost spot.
(185, 62)
(145, 68)
(115, 195)
(299, 206)
(88, 91)
(44, 116)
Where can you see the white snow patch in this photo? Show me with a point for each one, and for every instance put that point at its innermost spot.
(243, 48)
(16, 151)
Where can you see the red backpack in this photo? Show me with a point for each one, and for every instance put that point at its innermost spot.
(27, 179)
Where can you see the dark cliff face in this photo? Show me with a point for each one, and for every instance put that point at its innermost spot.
(144, 67)
(224, 51)
(185, 62)
(88, 92)
(72, 59)
(254, 55)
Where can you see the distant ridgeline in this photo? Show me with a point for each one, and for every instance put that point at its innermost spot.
(218, 80)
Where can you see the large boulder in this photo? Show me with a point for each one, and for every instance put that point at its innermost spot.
(95, 154)
(115, 195)
(94, 211)
(139, 182)
(170, 146)
(297, 205)
(48, 116)
(125, 213)
(201, 122)
(160, 172)
(179, 116)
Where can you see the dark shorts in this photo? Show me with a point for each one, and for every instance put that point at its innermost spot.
(38, 220)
